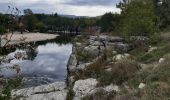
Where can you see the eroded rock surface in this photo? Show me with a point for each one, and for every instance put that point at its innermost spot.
(84, 87)
(55, 91)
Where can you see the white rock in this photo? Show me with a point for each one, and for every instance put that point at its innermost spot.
(108, 69)
(126, 55)
(152, 49)
(121, 56)
(83, 66)
(141, 85)
(84, 87)
(114, 52)
(94, 50)
(78, 44)
(55, 91)
(111, 88)
(162, 60)
(93, 38)
(72, 62)
(95, 43)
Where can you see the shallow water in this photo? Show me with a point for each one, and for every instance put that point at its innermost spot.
(49, 65)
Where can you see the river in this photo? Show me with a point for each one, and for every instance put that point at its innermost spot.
(48, 64)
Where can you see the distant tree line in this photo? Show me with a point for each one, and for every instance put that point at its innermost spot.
(137, 17)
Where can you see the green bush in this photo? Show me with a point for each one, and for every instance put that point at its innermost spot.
(155, 55)
(139, 18)
(8, 86)
(2, 30)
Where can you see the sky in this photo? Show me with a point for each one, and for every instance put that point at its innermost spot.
(66, 7)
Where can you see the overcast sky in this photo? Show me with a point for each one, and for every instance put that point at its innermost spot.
(69, 7)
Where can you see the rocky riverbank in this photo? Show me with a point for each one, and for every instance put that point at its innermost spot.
(104, 68)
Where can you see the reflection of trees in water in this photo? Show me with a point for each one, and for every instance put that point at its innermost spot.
(30, 48)
(63, 40)
(32, 51)
(59, 40)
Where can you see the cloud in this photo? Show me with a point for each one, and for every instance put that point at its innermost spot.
(71, 7)
(93, 2)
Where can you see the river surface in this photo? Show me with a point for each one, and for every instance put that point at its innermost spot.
(48, 65)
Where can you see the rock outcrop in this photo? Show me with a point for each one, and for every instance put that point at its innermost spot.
(55, 91)
(84, 87)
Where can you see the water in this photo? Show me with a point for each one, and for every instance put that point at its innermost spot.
(48, 65)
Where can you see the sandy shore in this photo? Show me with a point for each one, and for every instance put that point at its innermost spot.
(29, 37)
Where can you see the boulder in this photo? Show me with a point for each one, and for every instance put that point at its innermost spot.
(141, 85)
(94, 38)
(78, 44)
(152, 49)
(94, 50)
(121, 56)
(111, 88)
(139, 38)
(123, 47)
(83, 66)
(95, 43)
(162, 60)
(115, 39)
(72, 63)
(54, 91)
(84, 87)
(106, 38)
(103, 37)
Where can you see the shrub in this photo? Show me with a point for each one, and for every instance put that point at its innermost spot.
(155, 55)
(156, 91)
(11, 84)
(121, 72)
(139, 18)
(124, 70)
(94, 70)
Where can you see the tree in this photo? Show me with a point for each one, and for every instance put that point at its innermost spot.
(29, 20)
(28, 12)
(40, 26)
(163, 11)
(139, 17)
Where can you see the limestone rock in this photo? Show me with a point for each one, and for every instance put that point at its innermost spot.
(84, 87)
(152, 49)
(55, 91)
(162, 60)
(141, 85)
(123, 47)
(72, 62)
(121, 56)
(111, 88)
(94, 50)
(78, 44)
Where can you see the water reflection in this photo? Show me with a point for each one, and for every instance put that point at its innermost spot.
(49, 65)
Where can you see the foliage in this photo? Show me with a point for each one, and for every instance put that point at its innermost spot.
(121, 72)
(8, 86)
(109, 22)
(157, 80)
(29, 20)
(139, 18)
(163, 11)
